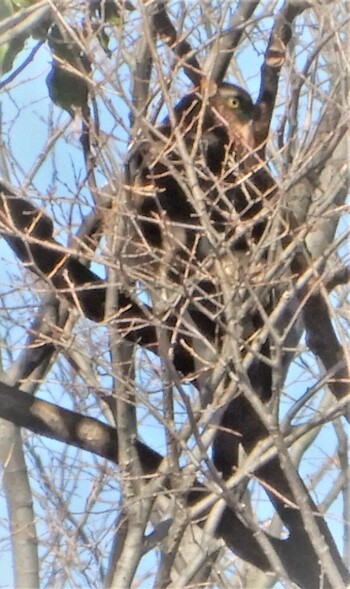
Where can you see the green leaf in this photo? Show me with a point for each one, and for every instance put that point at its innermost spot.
(104, 40)
(23, 3)
(66, 82)
(6, 9)
(12, 50)
(66, 89)
(109, 11)
(15, 27)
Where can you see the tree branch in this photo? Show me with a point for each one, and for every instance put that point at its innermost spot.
(89, 434)
(182, 49)
(52, 421)
(228, 42)
(270, 70)
(29, 232)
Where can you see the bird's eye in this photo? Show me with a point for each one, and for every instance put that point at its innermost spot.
(233, 102)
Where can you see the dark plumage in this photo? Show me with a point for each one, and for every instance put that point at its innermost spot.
(197, 190)
(217, 138)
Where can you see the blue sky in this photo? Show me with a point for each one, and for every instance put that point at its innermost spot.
(28, 113)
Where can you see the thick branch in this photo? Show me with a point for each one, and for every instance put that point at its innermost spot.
(270, 70)
(66, 426)
(29, 232)
(337, 278)
(182, 49)
(230, 41)
(94, 436)
(323, 342)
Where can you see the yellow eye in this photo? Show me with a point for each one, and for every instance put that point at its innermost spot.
(233, 102)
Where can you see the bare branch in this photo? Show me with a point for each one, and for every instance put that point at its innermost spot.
(229, 41)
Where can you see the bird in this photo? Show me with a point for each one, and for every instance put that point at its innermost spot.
(197, 193)
(217, 138)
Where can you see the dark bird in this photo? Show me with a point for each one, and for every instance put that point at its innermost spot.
(201, 159)
(197, 193)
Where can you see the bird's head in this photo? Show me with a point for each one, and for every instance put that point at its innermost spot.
(234, 108)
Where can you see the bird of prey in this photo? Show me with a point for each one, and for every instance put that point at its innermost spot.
(201, 162)
(197, 195)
